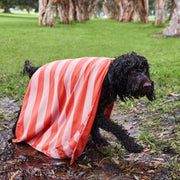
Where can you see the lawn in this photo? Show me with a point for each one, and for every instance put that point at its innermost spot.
(22, 38)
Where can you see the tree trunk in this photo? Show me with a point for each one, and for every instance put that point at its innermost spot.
(111, 9)
(142, 7)
(6, 10)
(74, 12)
(64, 7)
(80, 10)
(160, 11)
(47, 10)
(173, 6)
(127, 10)
(84, 9)
(174, 26)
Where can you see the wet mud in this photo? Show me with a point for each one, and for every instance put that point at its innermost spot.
(20, 161)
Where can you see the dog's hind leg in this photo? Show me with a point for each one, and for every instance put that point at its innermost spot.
(127, 141)
(96, 136)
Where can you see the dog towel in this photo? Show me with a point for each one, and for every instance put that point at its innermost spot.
(60, 106)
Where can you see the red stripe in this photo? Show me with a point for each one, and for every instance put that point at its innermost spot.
(20, 124)
(31, 129)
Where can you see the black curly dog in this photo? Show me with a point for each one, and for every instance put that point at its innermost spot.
(128, 77)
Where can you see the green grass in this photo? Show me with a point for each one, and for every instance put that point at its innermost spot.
(22, 38)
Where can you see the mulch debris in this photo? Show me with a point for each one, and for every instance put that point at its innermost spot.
(20, 161)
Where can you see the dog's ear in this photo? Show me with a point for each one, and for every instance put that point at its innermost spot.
(111, 68)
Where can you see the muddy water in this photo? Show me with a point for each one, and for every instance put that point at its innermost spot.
(20, 161)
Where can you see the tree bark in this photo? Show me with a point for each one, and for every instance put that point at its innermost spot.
(84, 9)
(173, 6)
(160, 11)
(127, 10)
(112, 8)
(174, 26)
(47, 10)
(64, 7)
(74, 12)
(142, 7)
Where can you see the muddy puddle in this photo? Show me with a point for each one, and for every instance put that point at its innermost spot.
(20, 161)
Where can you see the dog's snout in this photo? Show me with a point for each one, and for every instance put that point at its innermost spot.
(147, 85)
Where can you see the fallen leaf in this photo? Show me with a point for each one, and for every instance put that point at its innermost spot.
(146, 178)
(135, 177)
(151, 172)
(122, 167)
(130, 172)
(6, 127)
(84, 166)
(110, 177)
(159, 159)
(156, 164)
(14, 175)
(174, 94)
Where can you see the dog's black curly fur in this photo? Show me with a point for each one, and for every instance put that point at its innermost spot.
(29, 69)
(127, 77)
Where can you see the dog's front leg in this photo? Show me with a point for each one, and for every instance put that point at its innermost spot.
(127, 141)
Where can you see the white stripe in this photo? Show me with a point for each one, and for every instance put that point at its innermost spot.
(76, 136)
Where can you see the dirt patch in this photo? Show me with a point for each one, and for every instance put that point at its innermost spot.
(20, 161)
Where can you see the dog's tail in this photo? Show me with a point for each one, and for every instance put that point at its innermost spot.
(29, 69)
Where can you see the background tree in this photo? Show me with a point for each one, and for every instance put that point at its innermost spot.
(22, 4)
(47, 10)
(64, 8)
(172, 5)
(7, 4)
(127, 10)
(28, 5)
(111, 9)
(160, 11)
(142, 7)
(174, 26)
(98, 11)
(80, 10)
(84, 9)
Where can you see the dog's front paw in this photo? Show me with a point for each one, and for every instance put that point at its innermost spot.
(136, 148)
(131, 146)
(100, 141)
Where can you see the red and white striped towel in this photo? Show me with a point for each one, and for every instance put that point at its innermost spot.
(60, 106)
